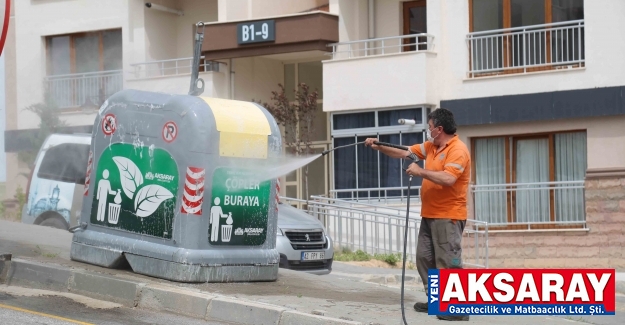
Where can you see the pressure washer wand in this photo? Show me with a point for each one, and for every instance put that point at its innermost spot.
(411, 156)
(325, 152)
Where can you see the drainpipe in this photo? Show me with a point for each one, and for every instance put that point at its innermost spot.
(371, 18)
(371, 23)
(231, 79)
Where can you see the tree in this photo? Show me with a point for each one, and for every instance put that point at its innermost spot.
(49, 123)
(297, 118)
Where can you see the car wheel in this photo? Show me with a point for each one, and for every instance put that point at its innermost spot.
(54, 223)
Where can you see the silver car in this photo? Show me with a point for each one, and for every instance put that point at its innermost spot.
(302, 242)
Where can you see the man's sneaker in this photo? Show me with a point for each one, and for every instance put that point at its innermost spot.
(464, 318)
(421, 307)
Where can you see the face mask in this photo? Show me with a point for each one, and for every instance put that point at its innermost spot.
(429, 135)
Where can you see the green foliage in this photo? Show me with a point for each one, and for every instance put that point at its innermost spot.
(346, 255)
(12, 214)
(21, 198)
(49, 122)
(391, 259)
(297, 119)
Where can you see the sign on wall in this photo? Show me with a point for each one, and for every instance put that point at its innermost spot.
(256, 32)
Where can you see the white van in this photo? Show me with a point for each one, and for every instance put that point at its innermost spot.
(57, 183)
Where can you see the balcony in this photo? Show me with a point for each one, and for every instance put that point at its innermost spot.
(526, 49)
(83, 89)
(174, 76)
(543, 206)
(295, 33)
(351, 78)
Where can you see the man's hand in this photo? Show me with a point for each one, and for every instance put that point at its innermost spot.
(370, 143)
(438, 177)
(414, 170)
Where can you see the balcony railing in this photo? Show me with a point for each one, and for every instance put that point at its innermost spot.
(84, 89)
(378, 194)
(526, 49)
(530, 206)
(168, 68)
(382, 46)
(380, 229)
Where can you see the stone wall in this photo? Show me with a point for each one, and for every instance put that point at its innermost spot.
(601, 247)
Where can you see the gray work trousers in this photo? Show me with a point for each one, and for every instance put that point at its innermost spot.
(439, 246)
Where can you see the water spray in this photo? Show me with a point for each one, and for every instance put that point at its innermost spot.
(414, 159)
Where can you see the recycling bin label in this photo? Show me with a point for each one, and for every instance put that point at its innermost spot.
(136, 189)
(239, 208)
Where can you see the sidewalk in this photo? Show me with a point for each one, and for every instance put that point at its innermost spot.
(41, 260)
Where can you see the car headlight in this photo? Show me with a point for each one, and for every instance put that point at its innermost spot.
(279, 232)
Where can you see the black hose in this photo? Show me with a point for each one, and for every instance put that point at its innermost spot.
(414, 159)
(390, 145)
(403, 270)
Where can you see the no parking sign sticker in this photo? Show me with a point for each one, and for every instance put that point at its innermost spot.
(170, 132)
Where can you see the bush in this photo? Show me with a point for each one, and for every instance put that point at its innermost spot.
(391, 259)
(21, 198)
(346, 255)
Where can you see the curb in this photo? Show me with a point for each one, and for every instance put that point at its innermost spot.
(392, 279)
(157, 297)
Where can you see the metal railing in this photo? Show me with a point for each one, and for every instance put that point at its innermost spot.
(380, 229)
(531, 206)
(378, 194)
(172, 67)
(382, 46)
(522, 48)
(80, 89)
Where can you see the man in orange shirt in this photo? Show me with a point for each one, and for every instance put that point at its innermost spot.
(443, 196)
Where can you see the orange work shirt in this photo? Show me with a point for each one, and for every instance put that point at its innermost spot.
(438, 201)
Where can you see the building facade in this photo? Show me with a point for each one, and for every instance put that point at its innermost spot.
(534, 86)
(535, 89)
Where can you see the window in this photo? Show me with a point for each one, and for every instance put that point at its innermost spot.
(415, 22)
(65, 162)
(363, 172)
(85, 68)
(353, 121)
(496, 14)
(539, 46)
(85, 52)
(532, 180)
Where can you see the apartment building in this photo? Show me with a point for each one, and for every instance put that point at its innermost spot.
(536, 94)
(536, 89)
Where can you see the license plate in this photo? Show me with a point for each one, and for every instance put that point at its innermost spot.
(313, 256)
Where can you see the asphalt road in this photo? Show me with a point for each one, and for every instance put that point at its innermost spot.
(21, 306)
(604, 320)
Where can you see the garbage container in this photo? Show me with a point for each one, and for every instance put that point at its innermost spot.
(174, 192)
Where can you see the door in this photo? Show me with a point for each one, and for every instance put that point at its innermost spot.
(415, 22)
